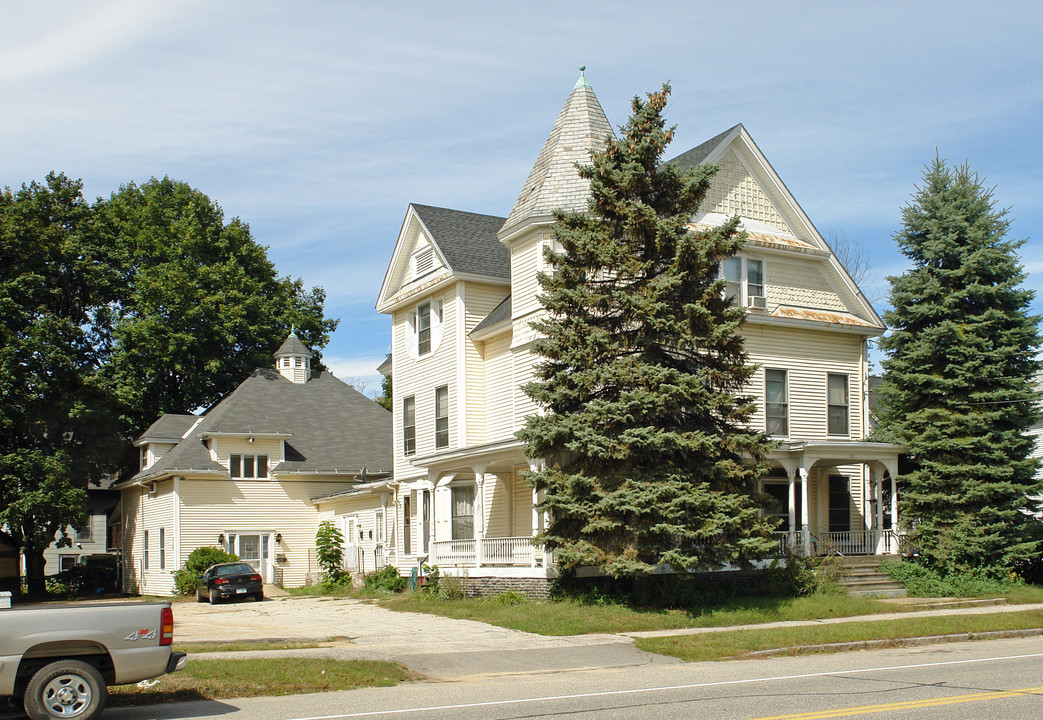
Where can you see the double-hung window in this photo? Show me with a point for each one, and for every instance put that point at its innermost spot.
(409, 425)
(463, 512)
(837, 404)
(423, 329)
(247, 466)
(776, 402)
(426, 327)
(144, 553)
(744, 281)
(442, 417)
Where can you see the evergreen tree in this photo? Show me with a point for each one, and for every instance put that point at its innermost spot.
(649, 457)
(959, 377)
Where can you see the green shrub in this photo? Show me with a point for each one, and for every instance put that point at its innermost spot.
(186, 581)
(387, 578)
(921, 581)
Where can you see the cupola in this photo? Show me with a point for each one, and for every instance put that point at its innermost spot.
(293, 360)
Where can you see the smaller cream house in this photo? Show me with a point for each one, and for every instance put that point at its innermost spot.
(246, 474)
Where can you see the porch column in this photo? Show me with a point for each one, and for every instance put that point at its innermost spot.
(894, 508)
(479, 514)
(432, 480)
(791, 475)
(805, 529)
(535, 466)
(876, 472)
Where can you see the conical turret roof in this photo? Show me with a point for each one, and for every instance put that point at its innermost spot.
(554, 183)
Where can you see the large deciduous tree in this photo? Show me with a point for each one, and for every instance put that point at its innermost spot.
(650, 461)
(201, 304)
(959, 374)
(56, 432)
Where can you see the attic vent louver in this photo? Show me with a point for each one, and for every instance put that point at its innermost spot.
(423, 262)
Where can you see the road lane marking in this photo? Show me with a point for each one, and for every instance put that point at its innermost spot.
(637, 691)
(907, 705)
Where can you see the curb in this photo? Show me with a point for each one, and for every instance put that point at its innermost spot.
(887, 643)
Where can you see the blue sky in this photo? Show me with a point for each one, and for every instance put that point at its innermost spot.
(318, 122)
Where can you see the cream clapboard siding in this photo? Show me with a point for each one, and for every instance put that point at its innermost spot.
(499, 388)
(222, 448)
(363, 546)
(155, 451)
(418, 377)
(480, 301)
(524, 360)
(496, 505)
(152, 515)
(525, 263)
(807, 356)
(522, 505)
(81, 545)
(213, 507)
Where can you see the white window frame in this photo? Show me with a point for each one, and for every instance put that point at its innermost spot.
(434, 309)
(742, 283)
(144, 545)
(846, 405)
(784, 403)
(409, 430)
(442, 421)
(454, 516)
(162, 549)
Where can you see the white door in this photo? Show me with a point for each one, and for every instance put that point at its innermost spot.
(252, 549)
(350, 529)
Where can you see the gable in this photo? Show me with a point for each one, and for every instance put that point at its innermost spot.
(436, 244)
(735, 192)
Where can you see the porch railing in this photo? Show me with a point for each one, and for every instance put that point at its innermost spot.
(455, 552)
(507, 551)
(850, 542)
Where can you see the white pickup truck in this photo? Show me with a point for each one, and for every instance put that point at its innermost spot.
(60, 658)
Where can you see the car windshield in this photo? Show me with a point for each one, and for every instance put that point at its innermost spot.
(237, 569)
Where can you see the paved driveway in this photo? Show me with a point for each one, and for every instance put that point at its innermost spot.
(436, 646)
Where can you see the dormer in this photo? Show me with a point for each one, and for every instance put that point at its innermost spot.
(293, 360)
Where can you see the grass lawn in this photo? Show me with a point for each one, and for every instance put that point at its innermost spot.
(214, 679)
(240, 645)
(735, 643)
(569, 617)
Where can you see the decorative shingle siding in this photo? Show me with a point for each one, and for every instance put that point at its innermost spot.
(802, 285)
(734, 192)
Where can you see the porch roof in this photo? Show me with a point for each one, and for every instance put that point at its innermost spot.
(507, 452)
(805, 454)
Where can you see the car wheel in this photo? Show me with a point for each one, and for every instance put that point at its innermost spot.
(67, 689)
(214, 598)
(200, 597)
(260, 596)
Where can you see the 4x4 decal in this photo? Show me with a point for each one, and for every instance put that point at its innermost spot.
(142, 634)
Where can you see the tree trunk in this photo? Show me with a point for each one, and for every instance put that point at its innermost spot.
(34, 572)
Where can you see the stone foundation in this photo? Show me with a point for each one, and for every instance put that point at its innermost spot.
(532, 588)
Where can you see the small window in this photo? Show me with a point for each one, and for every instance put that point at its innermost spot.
(423, 328)
(463, 512)
(378, 523)
(409, 426)
(744, 281)
(407, 526)
(144, 457)
(162, 549)
(67, 562)
(85, 533)
(442, 417)
(298, 362)
(144, 542)
(837, 404)
(247, 466)
(776, 403)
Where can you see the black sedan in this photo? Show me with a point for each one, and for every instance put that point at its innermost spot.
(229, 580)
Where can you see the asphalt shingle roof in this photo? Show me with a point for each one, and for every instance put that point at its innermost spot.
(697, 155)
(170, 427)
(332, 427)
(499, 313)
(467, 240)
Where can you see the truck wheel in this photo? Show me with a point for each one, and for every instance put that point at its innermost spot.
(66, 689)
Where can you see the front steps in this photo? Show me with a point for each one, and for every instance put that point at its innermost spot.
(861, 575)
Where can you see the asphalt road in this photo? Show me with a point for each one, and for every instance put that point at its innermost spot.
(999, 679)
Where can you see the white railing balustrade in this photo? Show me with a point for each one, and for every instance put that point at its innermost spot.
(856, 542)
(507, 551)
(455, 552)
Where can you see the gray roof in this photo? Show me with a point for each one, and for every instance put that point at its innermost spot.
(292, 346)
(499, 314)
(331, 427)
(467, 240)
(169, 428)
(697, 155)
(554, 183)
